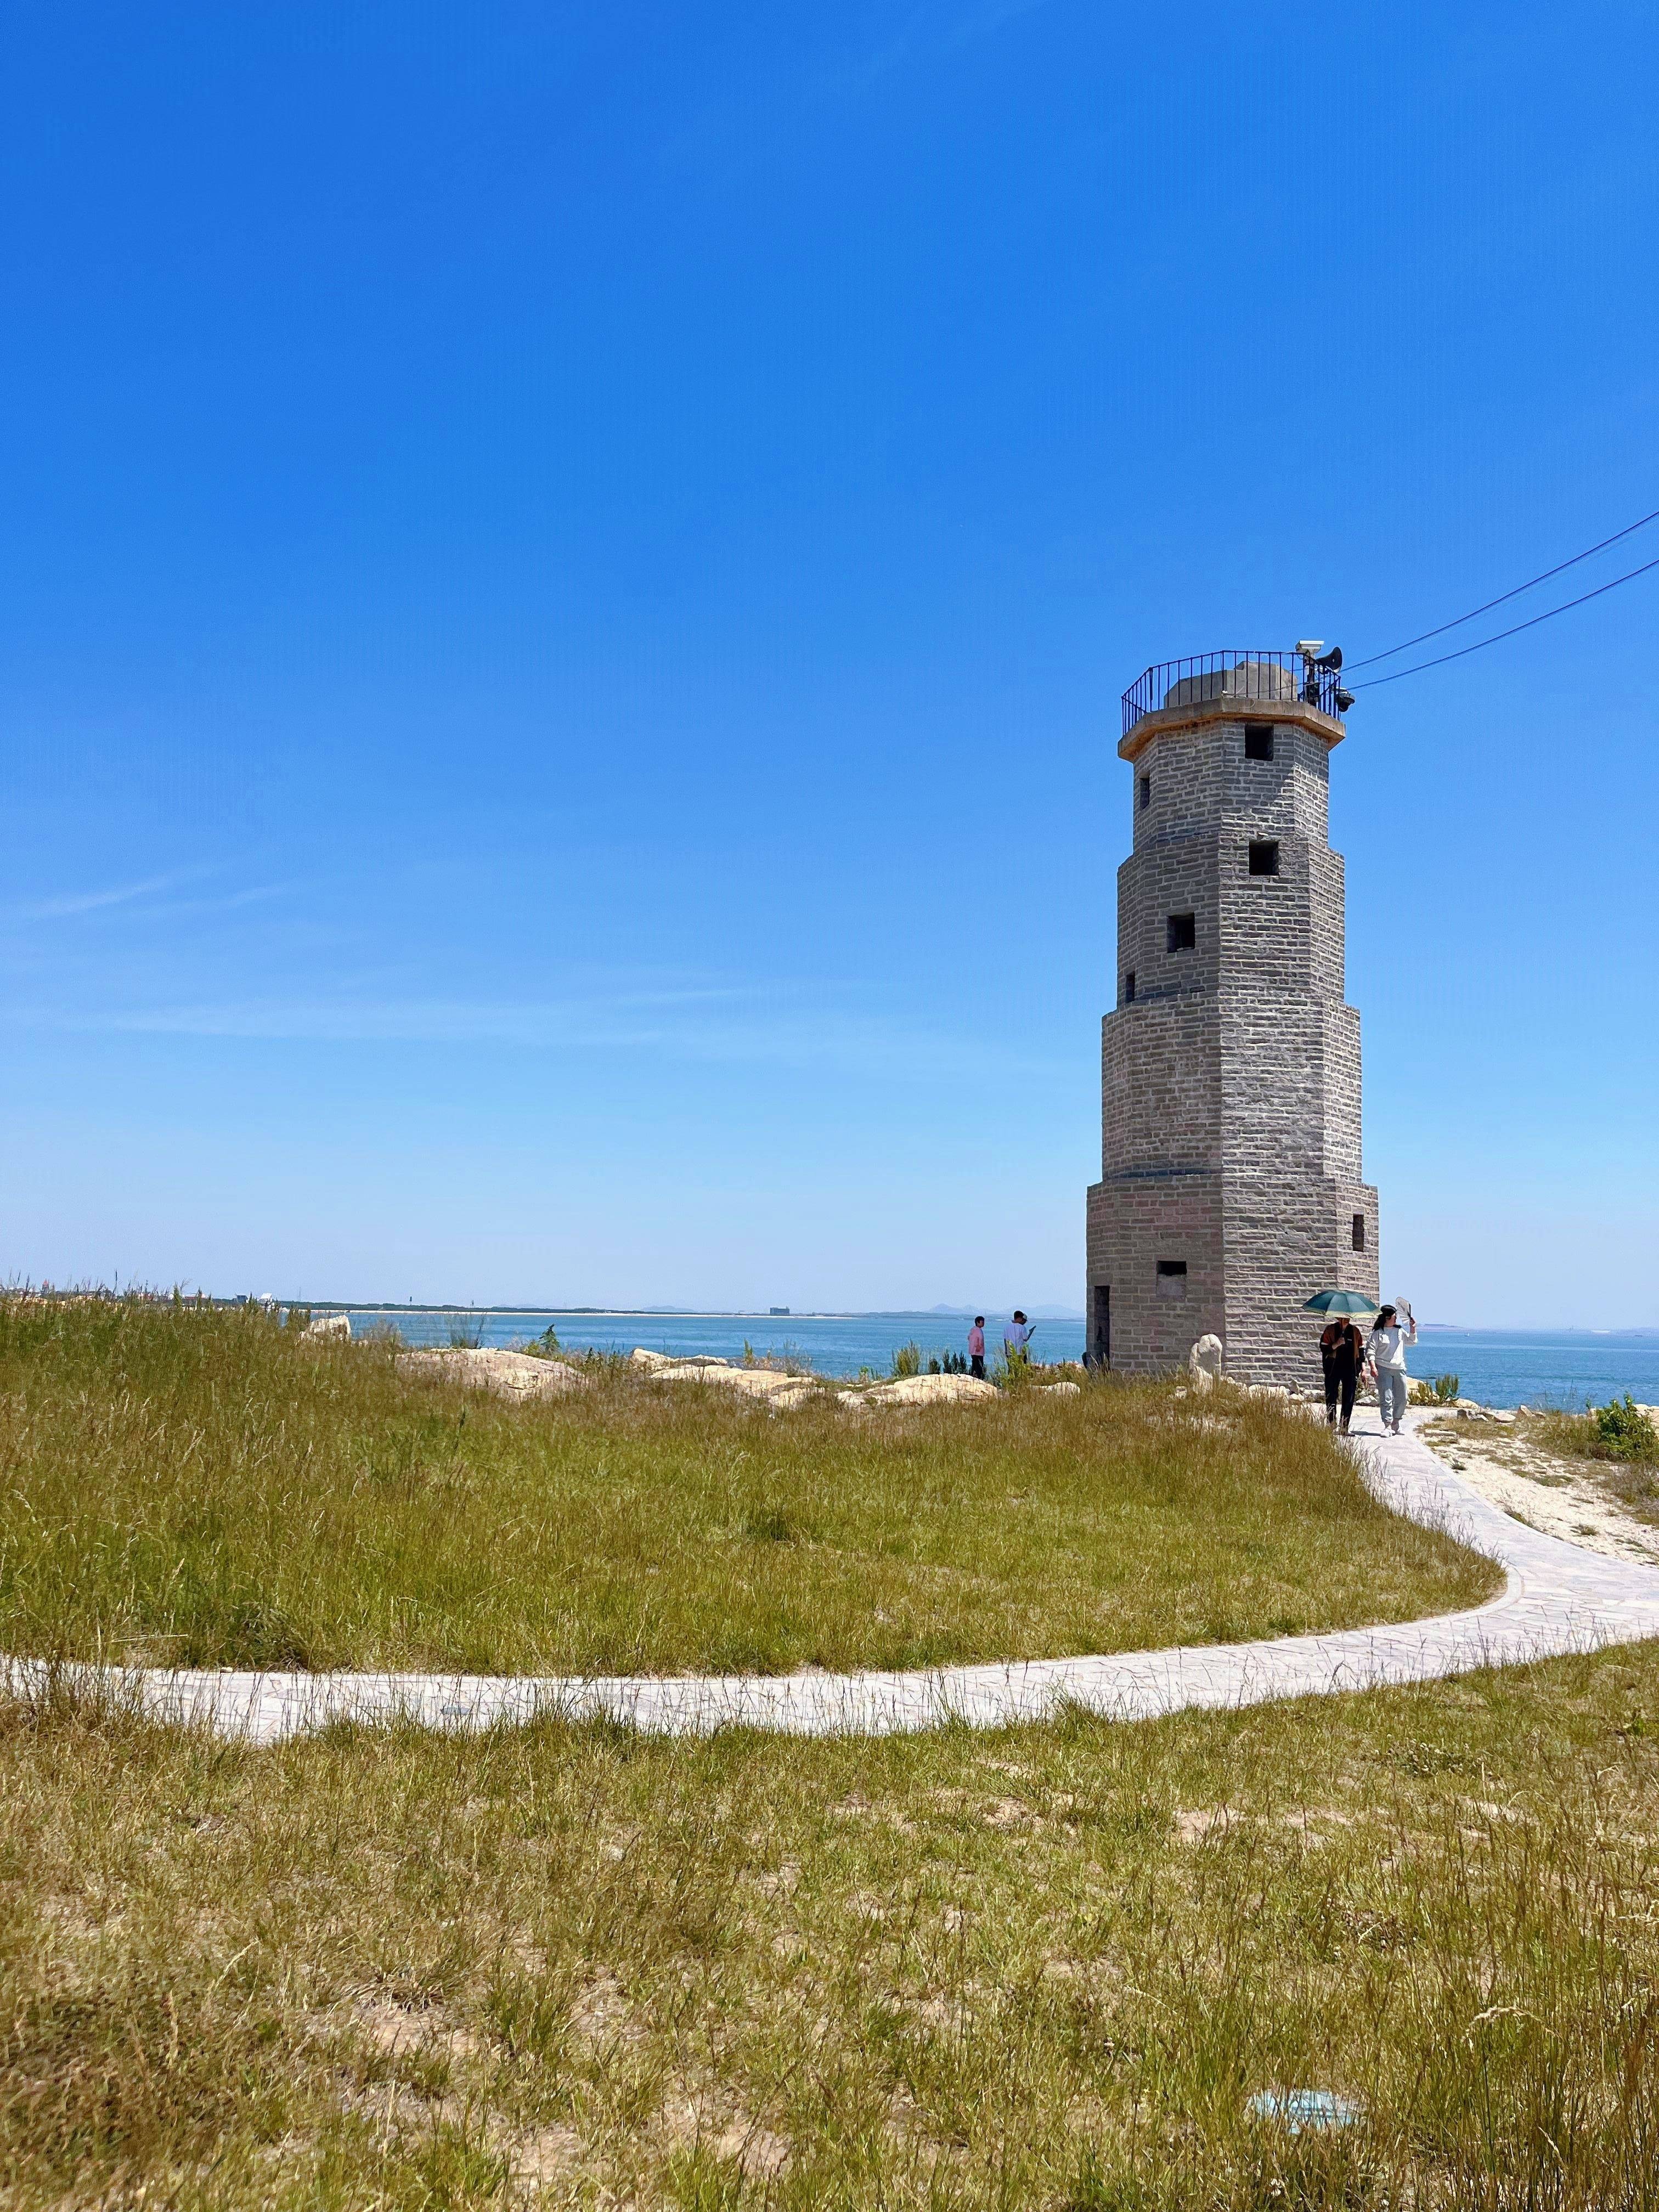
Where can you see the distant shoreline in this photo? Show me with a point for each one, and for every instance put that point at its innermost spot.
(665, 1313)
(865, 1313)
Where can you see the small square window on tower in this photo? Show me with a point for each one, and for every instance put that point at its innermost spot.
(1128, 986)
(1264, 856)
(1359, 1232)
(1172, 1279)
(1257, 741)
(1183, 933)
(1146, 792)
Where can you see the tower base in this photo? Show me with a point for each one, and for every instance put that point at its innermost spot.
(1177, 1254)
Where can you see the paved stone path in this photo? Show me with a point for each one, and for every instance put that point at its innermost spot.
(1559, 1598)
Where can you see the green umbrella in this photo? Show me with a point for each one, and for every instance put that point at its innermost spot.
(1341, 1302)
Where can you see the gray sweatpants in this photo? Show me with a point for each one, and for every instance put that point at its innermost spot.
(1391, 1384)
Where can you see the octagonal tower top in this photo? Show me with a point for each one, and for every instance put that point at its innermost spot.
(1302, 685)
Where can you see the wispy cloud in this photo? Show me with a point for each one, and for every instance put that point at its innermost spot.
(979, 22)
(747, 126)
(67, 903)
(705, 1023)
(151, 899)
(228, 901)
(935, 29)
(932, 29)
(155, 894)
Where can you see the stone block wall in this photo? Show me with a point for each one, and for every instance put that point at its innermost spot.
(1134, 1220)
(1160, 1070)
(1201, 781)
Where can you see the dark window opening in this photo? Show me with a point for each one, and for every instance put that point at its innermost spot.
(1146, 792)
(1264, 857)
(1359, 1232)
(1172, 1279)
(1129, 986)
(1103, 1329)
(1184, 932)
(1257, 741)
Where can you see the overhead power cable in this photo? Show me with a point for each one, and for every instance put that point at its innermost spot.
(1440, 629)
(1371, 683)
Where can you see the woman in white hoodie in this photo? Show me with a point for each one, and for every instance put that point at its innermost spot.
(1385, 1348)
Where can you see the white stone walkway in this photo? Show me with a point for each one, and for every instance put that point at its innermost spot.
(1558, 1599)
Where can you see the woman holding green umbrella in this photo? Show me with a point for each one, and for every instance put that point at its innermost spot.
(1342, 1349)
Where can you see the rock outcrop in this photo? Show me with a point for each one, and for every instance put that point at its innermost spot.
(516, 1375)
(924, 1390)
(778, 1390)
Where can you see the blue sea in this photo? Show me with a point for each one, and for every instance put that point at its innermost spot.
(1500, 1367)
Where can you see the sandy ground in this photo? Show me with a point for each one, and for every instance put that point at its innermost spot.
(1574, 1498)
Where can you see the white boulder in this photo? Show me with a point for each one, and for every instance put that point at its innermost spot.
(801, 1387)
(515, 1374)
(929, 1390)
(749, 1381)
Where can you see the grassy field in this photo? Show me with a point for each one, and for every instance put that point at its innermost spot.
(1045, 1969)
(192, 1486)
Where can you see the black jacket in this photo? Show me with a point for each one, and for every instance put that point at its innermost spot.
(1346, 1351)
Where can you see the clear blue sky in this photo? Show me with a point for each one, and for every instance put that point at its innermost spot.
(567, 571)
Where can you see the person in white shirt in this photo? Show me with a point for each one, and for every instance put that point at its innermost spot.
(1017, 1337)
(1385, 1350)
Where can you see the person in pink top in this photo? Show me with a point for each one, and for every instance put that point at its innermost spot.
(976, 1348)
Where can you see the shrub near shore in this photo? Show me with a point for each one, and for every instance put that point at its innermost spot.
(201, 1486)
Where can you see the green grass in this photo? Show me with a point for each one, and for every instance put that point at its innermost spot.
(1045, 1969)
(197, 1487)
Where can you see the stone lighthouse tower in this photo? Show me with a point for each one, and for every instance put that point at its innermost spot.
(1230, 1186)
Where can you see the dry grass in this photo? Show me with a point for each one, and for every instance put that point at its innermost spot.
(1631, 1476)
(1046, 1968)
(197, 1486)
(1043, 1969)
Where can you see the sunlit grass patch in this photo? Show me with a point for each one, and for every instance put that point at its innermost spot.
(201, 1486)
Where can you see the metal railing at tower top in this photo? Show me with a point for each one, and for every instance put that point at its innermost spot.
(1254, 678)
